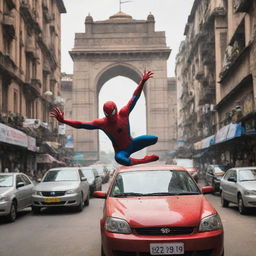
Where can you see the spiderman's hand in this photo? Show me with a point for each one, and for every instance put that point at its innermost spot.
(146, 75)
(58, 114)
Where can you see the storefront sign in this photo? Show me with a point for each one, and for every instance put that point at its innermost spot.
(32, 144)
(69, 142)
(221, 135)
(207, 142)
(13, 136)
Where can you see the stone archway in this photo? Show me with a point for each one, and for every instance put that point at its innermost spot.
(126, 47)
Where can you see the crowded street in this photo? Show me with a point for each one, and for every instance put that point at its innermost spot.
(65, 232)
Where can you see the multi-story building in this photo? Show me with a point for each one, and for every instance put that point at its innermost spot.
(216, 68)
(29, 78)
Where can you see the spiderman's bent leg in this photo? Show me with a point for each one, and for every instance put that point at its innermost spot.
(122, 157)
(140, 143)
(143, 141)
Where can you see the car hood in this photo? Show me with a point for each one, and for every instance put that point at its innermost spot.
(56, 186)
(250, 185)
(5, 190)
(160, 211)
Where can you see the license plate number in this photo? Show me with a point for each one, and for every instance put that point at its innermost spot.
(52, 200)
(167, 249)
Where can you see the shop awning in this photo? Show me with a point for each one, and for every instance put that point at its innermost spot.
(47, 159)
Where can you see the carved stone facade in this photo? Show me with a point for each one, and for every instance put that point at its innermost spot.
(126, 47)
(29, 59)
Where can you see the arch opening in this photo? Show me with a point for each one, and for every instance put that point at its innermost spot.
(120, 89)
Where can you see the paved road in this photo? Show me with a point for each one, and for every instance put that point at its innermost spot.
(67, 233)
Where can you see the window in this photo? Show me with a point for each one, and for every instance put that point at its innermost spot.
(26, 180)
(15, 101)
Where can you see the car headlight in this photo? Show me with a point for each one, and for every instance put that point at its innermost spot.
(37, 193)
(71, 191)
(116, 225)
(4, 198)
(250, 192)
(210, 223)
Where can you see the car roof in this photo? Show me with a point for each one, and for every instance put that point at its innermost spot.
(244, 168)
(147, 167)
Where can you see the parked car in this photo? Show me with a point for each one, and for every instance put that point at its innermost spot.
(213, 175)
(93, 178)
(63, 186)
(188, 164)
(239, 186)
(158, 210)
(15, 194)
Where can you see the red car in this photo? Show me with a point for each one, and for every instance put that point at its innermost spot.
(158, 210)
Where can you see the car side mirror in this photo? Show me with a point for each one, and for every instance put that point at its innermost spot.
(100, 194)
(83, 179)
(207, 189)
(232, 179)
(20, 184)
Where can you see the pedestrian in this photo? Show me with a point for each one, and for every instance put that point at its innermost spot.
(116, 126)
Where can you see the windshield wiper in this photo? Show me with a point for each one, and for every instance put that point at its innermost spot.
(128, 194)
(161, 194)
(247, 180)
(188, 193)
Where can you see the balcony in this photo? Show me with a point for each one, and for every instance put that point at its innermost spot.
(241, 5)
(36, 85)
(206, 95)
(8, 64)
(9, 24)
(29, 15)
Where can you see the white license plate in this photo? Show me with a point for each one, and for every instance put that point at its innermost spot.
(167, 249)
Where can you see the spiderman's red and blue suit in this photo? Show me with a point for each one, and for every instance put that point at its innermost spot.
(116, 126)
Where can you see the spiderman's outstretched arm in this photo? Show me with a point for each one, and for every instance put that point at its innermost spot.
(59, 115)
(132, 102)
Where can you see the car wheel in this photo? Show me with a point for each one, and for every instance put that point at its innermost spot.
(87, 201)
(102, 252)
(241, 208)
(36, 209)
(224, 202)
(11, 217)
(80, 207)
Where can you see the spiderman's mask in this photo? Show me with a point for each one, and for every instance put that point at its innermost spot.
(110, 109)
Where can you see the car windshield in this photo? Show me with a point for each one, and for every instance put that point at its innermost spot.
(153, 183)
(6, 180)
(61, 175)
(247, 175)
(219, 169)
(88, 173)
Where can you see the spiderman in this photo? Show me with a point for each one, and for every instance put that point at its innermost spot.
(116, 126)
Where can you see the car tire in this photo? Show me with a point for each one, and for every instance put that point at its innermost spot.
(11, 217)
(80, 207)
(241, 208)
(87, 201)
(102, 251)
(224, 202)
(36, 209)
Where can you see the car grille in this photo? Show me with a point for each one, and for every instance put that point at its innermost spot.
(53, 193)
(53, 203)
(166, 231)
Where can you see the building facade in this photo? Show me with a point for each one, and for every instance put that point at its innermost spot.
(216, 81)
(29, 79)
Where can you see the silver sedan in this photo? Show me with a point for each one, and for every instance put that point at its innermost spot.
(64, 186)
(15, 194)
(239, 186)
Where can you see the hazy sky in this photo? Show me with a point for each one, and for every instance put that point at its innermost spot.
(170, 16)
